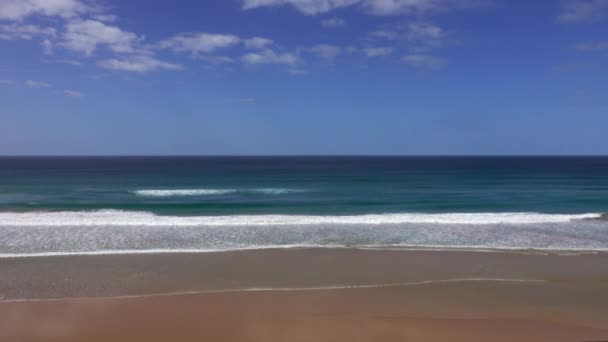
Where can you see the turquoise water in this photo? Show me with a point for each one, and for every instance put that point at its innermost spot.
(305, 185)
(146, 204)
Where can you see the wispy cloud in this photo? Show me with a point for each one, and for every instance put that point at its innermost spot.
(417, 36)
(138, 64)
(72, 93)
(250, 100)
(594, 46)
(6, 82)
(333, 22)
(374, 7)
(200, 42)
(425, 62)
(69, 62)
(268, 56)
(27, 32)
(577, 11)
(310, 7)
(297, 71)
(258, 43)
(36, 84)
(20, 9)
(327, 52)
(47, 47)
(377, 51)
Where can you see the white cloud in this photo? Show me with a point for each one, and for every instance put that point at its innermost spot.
(27, 32)
(6, 82)
(196, 43)
(69, 62)
(595, 46)
(333, 22)
(297, 71)
(108, 18)
(217, 60)
(72, 93)
(310, 7)
(576, 11)
(377, 51)
(394, 7)
(327, 52)
(417, 36)
(258, 43)
(36, 84)
(20, 9)
(424, 36)
(419, 61)
(138, 63)
(375, 7)
(268, 56)
(86, 35)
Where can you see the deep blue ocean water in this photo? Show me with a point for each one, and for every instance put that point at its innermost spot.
(97, 204)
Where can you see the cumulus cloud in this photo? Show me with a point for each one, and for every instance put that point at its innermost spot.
(138, 64)
(333, 22)
(375, 7)
(577, 11)
(20, 9)
(377, 51)
(72, 93)
(268, 56)
(27, 32)
(86, 35)
(200, 42)
(419, 61)
(258, 43)
(36, 84)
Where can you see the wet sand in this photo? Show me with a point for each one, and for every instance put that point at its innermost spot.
(401, 295)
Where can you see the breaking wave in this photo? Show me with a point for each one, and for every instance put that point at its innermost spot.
(142, 218)
(209, 192)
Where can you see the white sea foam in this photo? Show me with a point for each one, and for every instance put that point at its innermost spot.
(209, 192)
(137, 218)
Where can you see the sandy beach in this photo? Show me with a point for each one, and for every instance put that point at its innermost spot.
(308, 294)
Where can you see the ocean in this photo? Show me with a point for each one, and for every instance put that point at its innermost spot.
(113, 205)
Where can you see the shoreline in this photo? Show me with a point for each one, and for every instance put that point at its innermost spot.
(410, 248)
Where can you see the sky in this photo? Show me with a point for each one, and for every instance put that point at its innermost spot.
(303, 77)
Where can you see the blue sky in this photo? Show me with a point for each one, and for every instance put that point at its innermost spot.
(80, 77)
